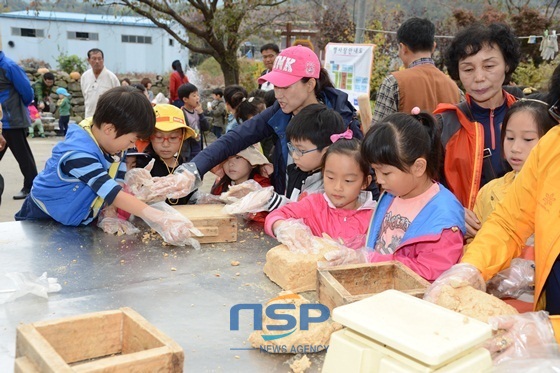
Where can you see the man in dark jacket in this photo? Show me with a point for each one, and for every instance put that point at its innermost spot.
(15, 95)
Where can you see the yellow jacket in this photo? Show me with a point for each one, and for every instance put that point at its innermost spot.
(532, 204)
(490, 194)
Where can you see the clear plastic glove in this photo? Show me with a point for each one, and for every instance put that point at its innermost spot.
(462, 274)
(524, 336)
(255, 201)
(345, 255)
(173, 227)
(236, 192)
(190, 170)
(513, 281)
(27, 283)
(205, 199)
(111, 223)
(297, 237)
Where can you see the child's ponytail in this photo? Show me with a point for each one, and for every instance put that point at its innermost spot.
(435, 157)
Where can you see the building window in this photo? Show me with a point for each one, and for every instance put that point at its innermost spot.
(28, 32)
(79, 35)
(171, 42)
(136, 39)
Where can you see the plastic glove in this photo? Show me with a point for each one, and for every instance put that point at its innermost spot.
(236, 192)
(513, 281)
(462, 274)
(297, 237)
(205, 199)
(27, 283)
(111, 223)
(190, 170)
(172, 226)
(256, 201)
(345, 255)
(523, 336)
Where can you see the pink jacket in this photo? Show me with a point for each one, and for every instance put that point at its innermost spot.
(321, 216)
(429, 256)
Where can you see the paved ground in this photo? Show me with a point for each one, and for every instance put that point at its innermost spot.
(13, 179)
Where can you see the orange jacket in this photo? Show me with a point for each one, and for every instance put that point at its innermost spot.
(463, 141)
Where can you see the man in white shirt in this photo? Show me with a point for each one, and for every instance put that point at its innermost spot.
(269, 53)
(96, 81)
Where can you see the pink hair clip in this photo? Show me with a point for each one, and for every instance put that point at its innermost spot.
(415, 110)
(345, 135)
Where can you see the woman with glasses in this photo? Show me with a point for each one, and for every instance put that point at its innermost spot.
(168, 146)
(482, 58)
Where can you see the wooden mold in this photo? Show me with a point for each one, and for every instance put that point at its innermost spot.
(345, 284)
(108, 341)
(211, 221)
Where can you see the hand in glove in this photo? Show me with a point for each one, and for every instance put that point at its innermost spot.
(255, 201)
(513, 281)
(345, 255)
(524, 336)
(462, 274)
(111, 223)
(191, 173)
(297, 236)
(173, 227)
(236, 192)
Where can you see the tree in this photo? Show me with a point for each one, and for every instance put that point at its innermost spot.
(334, 25)
(204, 27)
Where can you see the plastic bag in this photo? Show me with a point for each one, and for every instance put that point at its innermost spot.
(255, 201)
(524, 336)
(519, 278)
(27, 283)
(172, 226)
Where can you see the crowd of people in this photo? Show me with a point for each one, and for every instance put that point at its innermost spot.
(452, 183)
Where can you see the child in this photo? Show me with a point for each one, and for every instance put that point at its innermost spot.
(217, 110)
(524, 124)
(167, 144)
(238, 169)
(35, 121)
(188, 94)
(309, 137)
(344, 210)
(417, 221)
(85, 168)
(63, 105)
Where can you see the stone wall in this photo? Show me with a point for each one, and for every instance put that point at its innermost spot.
(63, 79)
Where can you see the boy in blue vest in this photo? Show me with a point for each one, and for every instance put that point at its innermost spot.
(85, 170)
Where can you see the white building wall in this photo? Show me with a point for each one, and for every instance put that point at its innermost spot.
(119, 57)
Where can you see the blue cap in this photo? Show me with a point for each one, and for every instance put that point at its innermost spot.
(62, 91)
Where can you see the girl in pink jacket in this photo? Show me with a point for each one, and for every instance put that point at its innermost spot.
(344, 210)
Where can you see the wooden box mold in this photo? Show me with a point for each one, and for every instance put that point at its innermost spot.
(108, 341)
(345, 284)
(211, 221)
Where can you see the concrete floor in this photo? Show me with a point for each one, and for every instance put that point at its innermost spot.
(42, 148)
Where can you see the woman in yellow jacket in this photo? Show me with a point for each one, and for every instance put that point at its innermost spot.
(532, 204)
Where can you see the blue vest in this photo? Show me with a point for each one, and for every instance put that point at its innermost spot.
(66, 199)
(443, 211)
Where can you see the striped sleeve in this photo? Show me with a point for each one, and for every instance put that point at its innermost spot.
(121, 172)
(90, 171)
(387, 101)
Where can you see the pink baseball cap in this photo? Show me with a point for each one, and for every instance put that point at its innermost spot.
(291, 65)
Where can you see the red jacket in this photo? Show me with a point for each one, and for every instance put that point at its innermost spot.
(175, 82)
(463, 141)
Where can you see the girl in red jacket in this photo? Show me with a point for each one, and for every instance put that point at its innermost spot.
(343, 211)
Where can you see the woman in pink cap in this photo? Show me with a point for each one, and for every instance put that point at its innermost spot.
(298, 81)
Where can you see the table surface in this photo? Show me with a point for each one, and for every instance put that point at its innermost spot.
(185, 293)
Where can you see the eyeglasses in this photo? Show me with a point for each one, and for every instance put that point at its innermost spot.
(300, 153)
(554, 111)
(170, 139)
